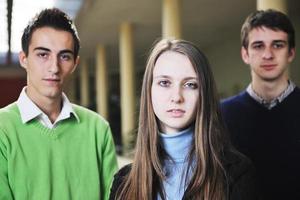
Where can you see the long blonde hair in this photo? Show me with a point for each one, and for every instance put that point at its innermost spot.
(144, 182)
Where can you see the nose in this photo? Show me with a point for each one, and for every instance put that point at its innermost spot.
(268, 53)
(54, 66)
(177, 96)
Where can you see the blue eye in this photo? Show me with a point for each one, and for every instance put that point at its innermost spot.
(191, 85)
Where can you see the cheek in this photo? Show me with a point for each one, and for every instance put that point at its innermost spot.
(194, 103)
(156, 94)
(66, 73)
(32, 69)
(157, 99)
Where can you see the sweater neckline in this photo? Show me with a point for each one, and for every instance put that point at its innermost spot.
(53, 133)
(177, 145)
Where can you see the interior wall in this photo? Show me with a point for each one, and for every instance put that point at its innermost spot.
(231, 74)
(10, 89)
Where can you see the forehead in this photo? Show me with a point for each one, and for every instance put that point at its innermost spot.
(173, 64)
(51, 38)
(265, 34)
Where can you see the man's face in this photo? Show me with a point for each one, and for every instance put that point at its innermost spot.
(49, 63)
(268, 54)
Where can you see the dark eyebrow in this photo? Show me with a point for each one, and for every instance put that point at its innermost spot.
(61, 52)
(257, 42)
(274, 41)
(41, 48)
(66, 51)
(280, 41)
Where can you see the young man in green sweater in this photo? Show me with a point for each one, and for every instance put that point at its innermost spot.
(50, 148)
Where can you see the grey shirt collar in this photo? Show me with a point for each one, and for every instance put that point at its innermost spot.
(274, 102)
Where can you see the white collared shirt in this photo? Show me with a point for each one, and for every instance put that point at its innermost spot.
(29, 110)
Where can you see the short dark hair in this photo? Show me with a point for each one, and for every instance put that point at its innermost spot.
(271, 19)
(53, 18)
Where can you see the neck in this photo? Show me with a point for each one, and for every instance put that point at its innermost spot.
(52, 109)
(269, 90)
(50, 106)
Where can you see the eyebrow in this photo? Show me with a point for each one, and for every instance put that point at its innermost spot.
(274, 41)
(280, 41)
(62, 51)
(66, 51)
(41, 48)
(166, 76)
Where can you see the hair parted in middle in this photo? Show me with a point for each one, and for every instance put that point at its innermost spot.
(144, 181)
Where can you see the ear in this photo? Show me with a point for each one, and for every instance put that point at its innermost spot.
(76, 63)
(292, 53)
(245, 55)
(23, 59)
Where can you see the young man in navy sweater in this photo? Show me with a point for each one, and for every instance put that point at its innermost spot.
(264, 120)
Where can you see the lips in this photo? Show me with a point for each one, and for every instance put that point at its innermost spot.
(268, 67)
(176, 112)
(52, 81)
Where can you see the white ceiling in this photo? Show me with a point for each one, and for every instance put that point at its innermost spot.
(205, 22)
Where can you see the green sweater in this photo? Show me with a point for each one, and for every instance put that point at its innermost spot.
(75, 160)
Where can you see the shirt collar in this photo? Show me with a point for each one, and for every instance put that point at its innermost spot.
(270, 104)
(67, 109)
(29, 110)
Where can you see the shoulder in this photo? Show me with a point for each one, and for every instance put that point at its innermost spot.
(233, 106)
(296, 92)
(122, 173)
(9, 113)
(88, 116)
(10, 118)
(93, 124)
(241, 177)
(291, 102)
(234, 99)
(9, 109)
(119, 179)
(237, 164)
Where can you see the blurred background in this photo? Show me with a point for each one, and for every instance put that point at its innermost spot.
(116, 36)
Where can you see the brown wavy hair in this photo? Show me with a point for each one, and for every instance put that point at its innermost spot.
(208, 182)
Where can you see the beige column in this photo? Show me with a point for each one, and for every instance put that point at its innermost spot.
(171, 18)
(84, 84)
(280, 5)
(101, 82)
(70, 88)
(127, 83)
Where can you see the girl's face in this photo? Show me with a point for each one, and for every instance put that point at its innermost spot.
(174, 92)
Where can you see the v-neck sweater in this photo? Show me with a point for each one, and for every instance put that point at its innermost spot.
(75, 160)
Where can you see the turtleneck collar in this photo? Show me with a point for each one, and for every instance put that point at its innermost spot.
(177, 145)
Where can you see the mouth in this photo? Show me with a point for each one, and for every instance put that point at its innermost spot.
(52, 81)
(268, 67)
(176, 113)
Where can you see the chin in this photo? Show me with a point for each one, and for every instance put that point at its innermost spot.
(54, 95)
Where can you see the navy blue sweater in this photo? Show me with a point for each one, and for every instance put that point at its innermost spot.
(270, 138)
